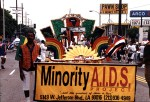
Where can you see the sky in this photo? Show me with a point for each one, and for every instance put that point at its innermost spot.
(41, 12)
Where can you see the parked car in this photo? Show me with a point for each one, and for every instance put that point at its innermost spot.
(14, 44)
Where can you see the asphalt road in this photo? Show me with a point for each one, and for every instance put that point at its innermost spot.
(11, 85)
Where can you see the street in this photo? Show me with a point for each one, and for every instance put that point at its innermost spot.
(11, 86)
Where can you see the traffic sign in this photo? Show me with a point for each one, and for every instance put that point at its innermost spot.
(140, 13)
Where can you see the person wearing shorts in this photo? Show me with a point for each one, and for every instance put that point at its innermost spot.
(3, 53)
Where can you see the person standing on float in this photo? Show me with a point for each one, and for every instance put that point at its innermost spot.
(43, 50)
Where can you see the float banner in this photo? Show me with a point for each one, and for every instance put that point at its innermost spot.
(84, 82)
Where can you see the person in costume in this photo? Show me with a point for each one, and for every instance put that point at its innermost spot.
(43, 50)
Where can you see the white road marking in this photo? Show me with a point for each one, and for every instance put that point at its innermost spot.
(12, 72)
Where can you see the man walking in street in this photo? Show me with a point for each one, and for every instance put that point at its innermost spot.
(27, 56)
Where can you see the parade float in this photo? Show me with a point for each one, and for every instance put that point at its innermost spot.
(80, 73)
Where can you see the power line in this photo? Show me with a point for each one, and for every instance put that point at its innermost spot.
(139, 6)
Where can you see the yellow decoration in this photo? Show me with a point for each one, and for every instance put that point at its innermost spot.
(80, 50)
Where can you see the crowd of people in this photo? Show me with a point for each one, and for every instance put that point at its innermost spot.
(131, 53)
(68, 39)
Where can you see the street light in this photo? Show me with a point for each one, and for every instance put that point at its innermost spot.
(29, 22)
(3, 22)
(98, 14)
(26, 21)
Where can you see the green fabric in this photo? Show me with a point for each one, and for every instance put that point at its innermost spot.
(57, 25)
(88, 24)
(22, 39)
(47, 32)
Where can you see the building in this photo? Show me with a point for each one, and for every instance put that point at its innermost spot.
(112, 28)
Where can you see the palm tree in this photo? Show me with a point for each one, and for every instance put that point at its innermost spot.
(0, 3)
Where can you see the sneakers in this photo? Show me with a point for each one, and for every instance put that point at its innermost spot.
(28, 99)
(2, 67)
(143, 66)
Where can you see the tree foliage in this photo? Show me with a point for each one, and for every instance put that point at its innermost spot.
(133, 33)
(10, 24)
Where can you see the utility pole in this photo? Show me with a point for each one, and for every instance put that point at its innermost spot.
(119, 25)
(26, 19)
(1, 20)
(22, 12)
(28, 22)
(17, 9)
(17, 13)
(99, 14)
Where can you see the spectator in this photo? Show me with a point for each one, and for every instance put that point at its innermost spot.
(131, 52)
(146, 58)
(141, 48)
(3, 49)
(123, 53)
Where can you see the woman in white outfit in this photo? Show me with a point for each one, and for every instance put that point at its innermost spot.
(43, 50)
(142, 46)
(132, 52)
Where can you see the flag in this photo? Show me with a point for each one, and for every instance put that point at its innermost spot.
(114, 47)
(23, 40)
(116, 38)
